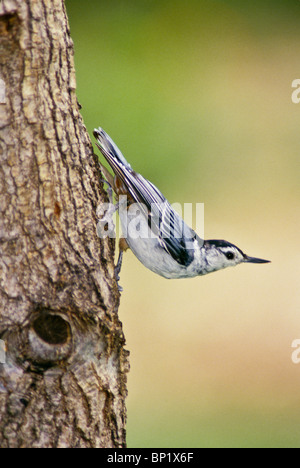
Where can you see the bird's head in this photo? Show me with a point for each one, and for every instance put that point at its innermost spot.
(222, 254)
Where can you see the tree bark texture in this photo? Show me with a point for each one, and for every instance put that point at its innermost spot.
(63, 383)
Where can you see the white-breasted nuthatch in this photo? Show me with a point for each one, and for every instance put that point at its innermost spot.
(162, 241)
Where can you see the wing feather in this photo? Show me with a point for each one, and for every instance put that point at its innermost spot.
(162, 219)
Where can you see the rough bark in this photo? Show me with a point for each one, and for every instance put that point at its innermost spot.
(64, 380)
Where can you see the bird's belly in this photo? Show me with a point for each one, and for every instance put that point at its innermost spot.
(147, 248)
(155, 258)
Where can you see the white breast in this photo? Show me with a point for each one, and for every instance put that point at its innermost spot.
(147, 247)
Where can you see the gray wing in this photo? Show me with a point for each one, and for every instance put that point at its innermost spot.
(175, 236)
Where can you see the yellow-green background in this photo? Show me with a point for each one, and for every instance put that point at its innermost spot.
(197, 94)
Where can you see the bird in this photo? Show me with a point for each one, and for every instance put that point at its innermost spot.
(155, 233)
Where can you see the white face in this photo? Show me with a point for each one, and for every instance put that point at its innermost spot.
(223, 257)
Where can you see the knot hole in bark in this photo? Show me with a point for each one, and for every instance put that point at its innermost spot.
(9, 24)
(52, 329)
(50, 338)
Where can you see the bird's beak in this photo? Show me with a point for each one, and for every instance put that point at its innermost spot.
(255, 260)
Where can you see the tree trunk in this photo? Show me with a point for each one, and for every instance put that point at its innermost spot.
(63, 382)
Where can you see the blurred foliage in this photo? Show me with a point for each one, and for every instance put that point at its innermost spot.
(197, 95)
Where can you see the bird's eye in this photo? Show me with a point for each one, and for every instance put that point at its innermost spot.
(230, 255)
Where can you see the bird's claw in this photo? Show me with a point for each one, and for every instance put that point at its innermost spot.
(118, 269)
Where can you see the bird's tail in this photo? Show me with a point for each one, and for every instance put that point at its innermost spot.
(109, 149)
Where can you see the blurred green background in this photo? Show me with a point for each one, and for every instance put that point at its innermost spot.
(197, 94)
